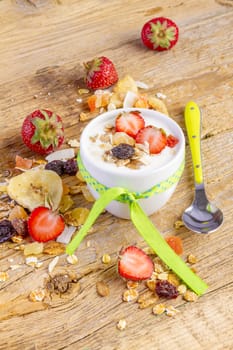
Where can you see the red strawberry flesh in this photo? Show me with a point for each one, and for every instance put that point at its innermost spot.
(130, 123)
(172, 141)
(155, 137)
(44, 224)
(134, 264)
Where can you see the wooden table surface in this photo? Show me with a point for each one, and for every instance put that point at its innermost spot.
(42, 47)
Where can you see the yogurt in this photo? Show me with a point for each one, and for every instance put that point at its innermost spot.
(155, 169)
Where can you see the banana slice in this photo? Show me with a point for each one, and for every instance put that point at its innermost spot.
(34, 188)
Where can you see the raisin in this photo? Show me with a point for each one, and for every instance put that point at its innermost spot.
(70, 167)
(56, 165)
(166, 289)
(123, 151)
(6, 230)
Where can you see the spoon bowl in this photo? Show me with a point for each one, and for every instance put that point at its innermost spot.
(202, 216)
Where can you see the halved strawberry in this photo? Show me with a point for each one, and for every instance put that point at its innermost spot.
(130, 123)
(44, 224)
(134, 264)
(155, 137)
(172, 141)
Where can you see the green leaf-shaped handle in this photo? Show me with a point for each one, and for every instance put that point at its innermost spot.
(192, 115)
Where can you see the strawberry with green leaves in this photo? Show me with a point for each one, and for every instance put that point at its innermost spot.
(134, 264)
(42, 131)
(160, 34)
(100, 73)
(44, 224)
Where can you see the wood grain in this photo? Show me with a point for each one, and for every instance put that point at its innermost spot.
(43, 44)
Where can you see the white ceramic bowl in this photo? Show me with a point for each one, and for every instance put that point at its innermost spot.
(162, 167)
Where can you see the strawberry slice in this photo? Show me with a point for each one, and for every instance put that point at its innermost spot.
(44, 224)
(172, 141)
(155, 137)
(134, 264)
(130, 123)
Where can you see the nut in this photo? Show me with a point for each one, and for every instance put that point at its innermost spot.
(178, 224)
(102, 289)
(4, 276)
(37, 295)
(106, 258)
(130, 295)
(151, 284)
(149, 301)
(72, 259)
(132, 284)
(163, 276)
(172, 278)
(182, 289)
(121, 325)
(191, 259)
(171, 311)
(190, 296)
(159, 309)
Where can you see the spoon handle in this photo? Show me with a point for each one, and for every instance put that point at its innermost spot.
(192, 115)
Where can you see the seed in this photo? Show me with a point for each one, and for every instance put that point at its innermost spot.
(52, 264)
(182, 289)
(106, 258)
(72, 259)
(37, 295)
(172, 278)
(31, 261)
(171, 311)
(132, 284)
(130, 295)
(191, 259)
(4, 276)
(178, 224)
(151, 284)
(149, 301)
(159, 309)
(190, 296)
(163, 276)
(121, 325)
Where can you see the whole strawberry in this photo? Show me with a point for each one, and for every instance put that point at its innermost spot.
(42, 131)
(100, 73)
(160, 34)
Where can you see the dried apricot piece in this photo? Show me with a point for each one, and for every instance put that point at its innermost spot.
(23, 163)
(175, 243)
(91, 102)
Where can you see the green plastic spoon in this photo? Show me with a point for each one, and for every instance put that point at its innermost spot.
(202, 216)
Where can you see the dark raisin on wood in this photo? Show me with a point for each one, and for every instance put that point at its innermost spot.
(6, 230)
(123, 151)
(56, 165)
(166, 289)
(70, 167)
